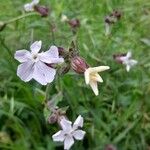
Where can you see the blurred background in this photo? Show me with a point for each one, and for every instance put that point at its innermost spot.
(119, 116)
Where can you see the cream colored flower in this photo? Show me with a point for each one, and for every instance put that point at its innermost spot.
(92, 77)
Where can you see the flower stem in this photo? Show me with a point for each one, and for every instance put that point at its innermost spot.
(20, 17)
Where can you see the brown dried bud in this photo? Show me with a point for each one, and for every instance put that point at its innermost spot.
(2, 26)
(78, 64)
(42, 10)
(74, 23)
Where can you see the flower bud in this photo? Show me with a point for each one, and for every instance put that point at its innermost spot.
(74, 23)
(78, 64)
(2, 25)
(61, 51)
(117, 57)
(42, 10)
(53, 118)
(110, 147)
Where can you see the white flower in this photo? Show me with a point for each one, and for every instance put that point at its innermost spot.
(64, 18)
(30, 6)
(69, 132)
(33, 64)
(92, 77)
(126, 60)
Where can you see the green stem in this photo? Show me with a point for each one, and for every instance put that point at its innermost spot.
(47, 92)
(20, 17)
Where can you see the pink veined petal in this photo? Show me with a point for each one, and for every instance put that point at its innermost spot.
(66, 124)
(22, 55)
(79, 134)
(78, 122)
(59, 136)
(43, 74)
(25, 71)
(35, 47)
(69, 141)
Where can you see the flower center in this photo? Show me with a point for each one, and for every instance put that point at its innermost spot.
(35, 57)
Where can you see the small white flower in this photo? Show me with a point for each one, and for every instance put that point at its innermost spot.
(92, 77)
(64, 18)
(33, 64)
(30, 6)
(69, 132)
(126, 60)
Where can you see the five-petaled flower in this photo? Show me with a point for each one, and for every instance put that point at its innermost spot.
(30, 6)
(69, 132)
(126, 60)
(92, 77)
(33, 64)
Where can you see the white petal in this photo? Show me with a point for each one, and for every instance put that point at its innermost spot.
(22, 55)
(35, 47)
(53, 52)
(78, 122)
(133, 62)
(129, 54)
(94, 87)
(43, 74)
(87, 76)
(78, 134)
(28, 7)
(99, 69)
(48, 58)
(66, 124)
(35, 2)
(69, 141)
(97, 78)
(25, 71)
(128, 68)
(59, 136)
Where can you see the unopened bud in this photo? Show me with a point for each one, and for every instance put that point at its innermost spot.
(78, 64)
(61, 51)
(74, 23)
(52, 119)
(42, 10)
(64, 69)
(117, 57)
(2, 25)
(110, 147)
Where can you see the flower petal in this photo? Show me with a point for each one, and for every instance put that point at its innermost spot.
(128, 68)
(47, 58)
(97, 78)
(79, 134)
(99, 69)
(78, 122)
(28, 7)
(59, 136)
(87, 76)
(129, 54)
(35, 47)
(66, 124)
(35, 2)
(69, 141)
(133, 62)
(94, 87)
(43, 74)
(22, 55)
(25, 71)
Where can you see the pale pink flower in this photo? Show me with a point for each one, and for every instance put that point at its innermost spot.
(69, 132)
(33, 64)
(30, 6)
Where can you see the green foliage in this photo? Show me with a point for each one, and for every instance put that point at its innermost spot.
(120, 115)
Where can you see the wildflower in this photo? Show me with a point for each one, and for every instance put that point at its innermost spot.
(126, 60)
(30, 6)
(92, 77)
(64, 18)
(69, 132)
(78, 64)
(33, 64)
